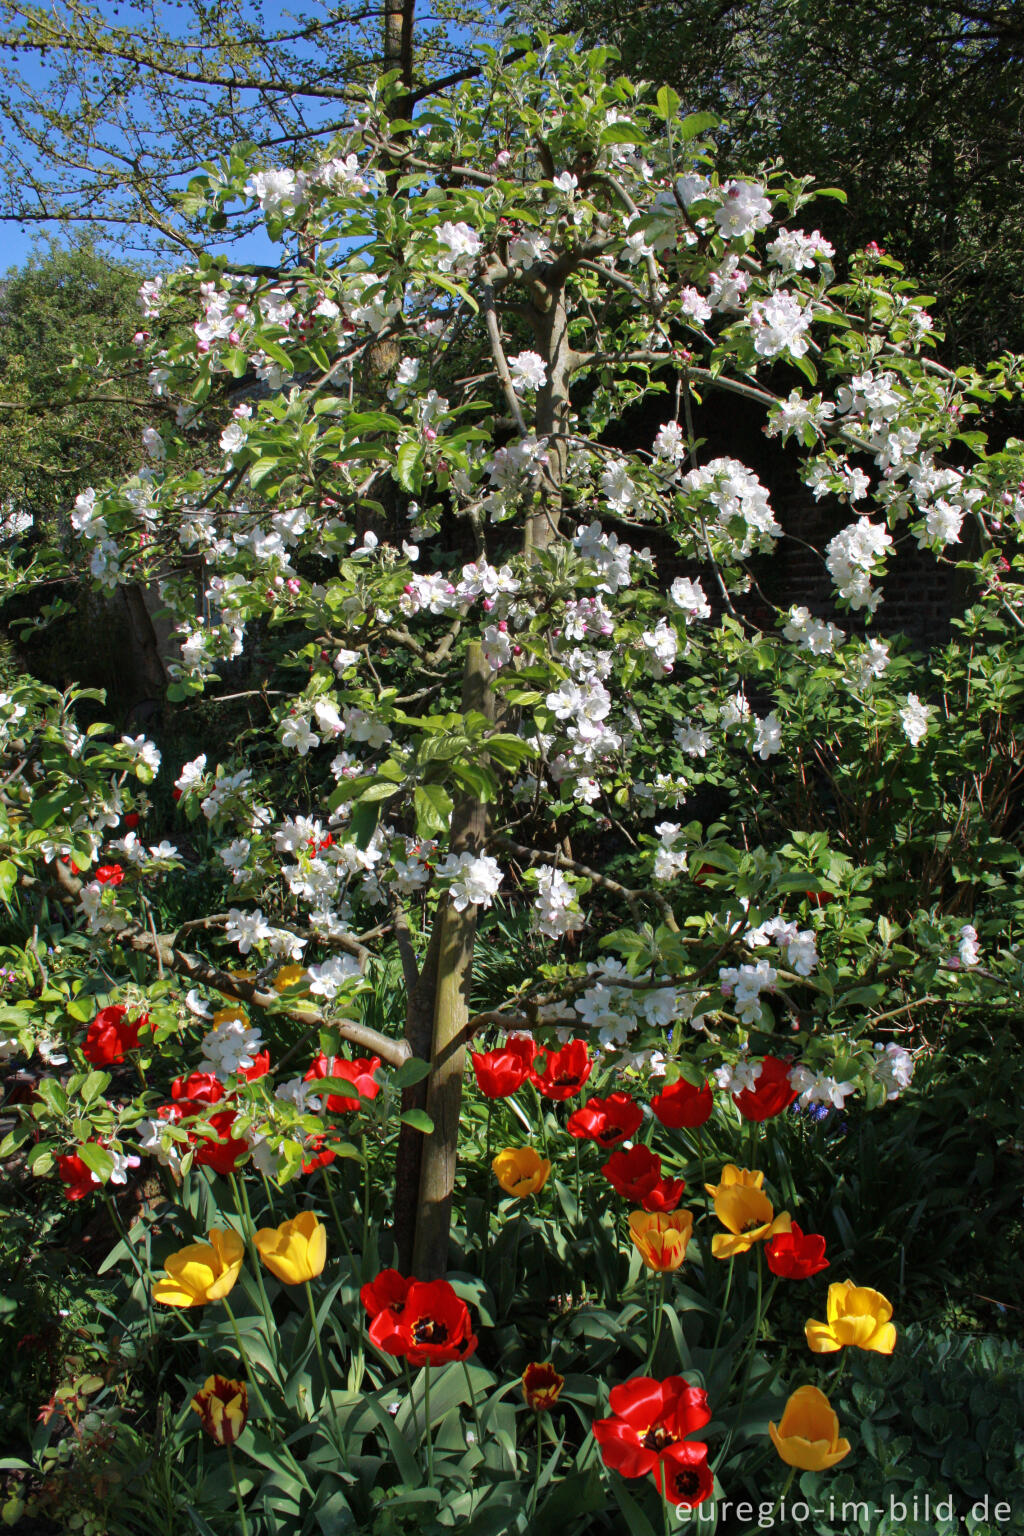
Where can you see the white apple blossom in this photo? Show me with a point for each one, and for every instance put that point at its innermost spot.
(893, 1067)
(915, 718)
(969, 950)
(298, 733)
(246, 928)
(333, 976)
(779, 324)
(527, 370)
(142, 752)
(794, 251)
(474, 879)
(745, 208)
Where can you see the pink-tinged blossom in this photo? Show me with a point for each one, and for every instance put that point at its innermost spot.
(778, 324)
(745, 208)
(794, 251)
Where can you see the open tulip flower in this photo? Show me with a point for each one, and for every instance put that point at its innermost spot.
(750, 1218)
(521, 1171)
(682, 1104)
(564, 1072)
(223, 1408)
(636, 1175)
(359, 1073)
(794, 1255)
(808, 1434)
(648, 1431)
(661, 1237)
(111, 1033)
(423, 1320)
(542, 1386)
(201, 1272)
(296, 1250)
(855, 1315)
(606, 1121)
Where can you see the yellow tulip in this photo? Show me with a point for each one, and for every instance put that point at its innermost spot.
(746, 1178)
(808, 1436)
(289, 976)
(855, 1315)
(227, 1015)
(661, 1237)
(223, 1408)
(296, 1250)
(201, 1272)
(521, 1171)
(748, 1213)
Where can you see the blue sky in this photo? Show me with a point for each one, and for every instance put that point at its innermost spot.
(17, 241)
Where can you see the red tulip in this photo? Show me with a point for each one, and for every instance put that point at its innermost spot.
(636, 1175)
(78, 1180)
(423, 1320)
(649, 1423)
(606, 1121)
(564, 1072)
(771, 1094)
(498, 1073)
(359, 1073)
(111, 1034)
(682, 1104)
(795, 1255)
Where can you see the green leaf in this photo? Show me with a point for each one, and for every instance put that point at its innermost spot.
(419, 1120)
(433, 806)
(97, 1159)
(410, 1072)
(696, 124)
(476, 779)
(8, 879)
(667, 103)
(409, 467)
(381, 791)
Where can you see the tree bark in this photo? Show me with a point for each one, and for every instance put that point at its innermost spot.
(425, 1169)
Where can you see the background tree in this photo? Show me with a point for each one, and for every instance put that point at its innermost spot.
(58, 435)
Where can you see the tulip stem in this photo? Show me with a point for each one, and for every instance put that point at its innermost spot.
(243, 1523)
(538, 1464)
(782, 1497)
(472, 1404)
(241, 1195)
(342, 1447)
(429, 1435)
(412, 1398)
(136, 1262)
(366, 1207)
(659, 1312)
(838, 1375)
(270, 1195)
(725, 1306)
(337, 1220)
(487, 1186)
(665, 1508)
(246, 1366)
(576, 1148)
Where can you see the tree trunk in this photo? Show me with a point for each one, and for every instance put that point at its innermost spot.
(425, 1167)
